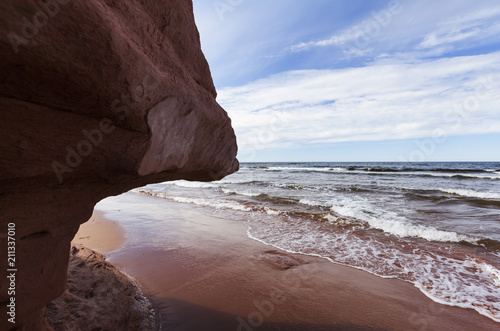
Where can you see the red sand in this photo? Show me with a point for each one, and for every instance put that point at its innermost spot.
(100, 234)
(213, 277)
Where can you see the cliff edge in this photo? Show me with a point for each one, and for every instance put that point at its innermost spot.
(96, 97)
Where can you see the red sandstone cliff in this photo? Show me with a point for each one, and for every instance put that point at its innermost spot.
(96, 97)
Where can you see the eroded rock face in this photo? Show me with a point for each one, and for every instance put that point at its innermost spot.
(96, 97)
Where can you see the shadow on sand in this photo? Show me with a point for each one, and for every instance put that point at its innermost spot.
(177, 315)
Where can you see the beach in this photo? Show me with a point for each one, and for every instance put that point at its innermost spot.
(100, 234)
(203, 272)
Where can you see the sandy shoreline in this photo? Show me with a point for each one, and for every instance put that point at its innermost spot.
(100, 234)
(208, 275)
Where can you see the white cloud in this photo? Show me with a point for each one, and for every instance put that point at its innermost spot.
(480, 24)
(437, 27)
(377, 102)
(360, 34)
(474, 16)
(248, 37)
(401, 94)
(436, 39)
(336, 40)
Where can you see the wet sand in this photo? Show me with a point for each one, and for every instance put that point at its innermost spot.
(100, 234)
(208, 275)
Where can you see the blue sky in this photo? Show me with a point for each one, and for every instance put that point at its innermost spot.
(357, 80)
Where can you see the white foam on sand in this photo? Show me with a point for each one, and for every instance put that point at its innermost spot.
(200, 201)
(464, 281)
(467, 282)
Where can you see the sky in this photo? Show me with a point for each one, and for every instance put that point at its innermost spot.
(357, 80)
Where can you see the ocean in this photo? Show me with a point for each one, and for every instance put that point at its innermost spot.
(435, 225)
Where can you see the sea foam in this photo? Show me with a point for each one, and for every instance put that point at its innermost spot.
(467, 282)
(473, 194)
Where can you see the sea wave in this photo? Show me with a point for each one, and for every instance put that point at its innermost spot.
(190, 184)
(301, 187)
(214, 203)
(443, 170)
(211, 203)
(232, 180)
(239, 192)
(389, 222)
(384, 220)
(314, 203)
(199, 201)
(466, 282)
(469, 282)
(308, 169)
(447, 173)
(457, 176)
(472, 194)
(399, 226)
